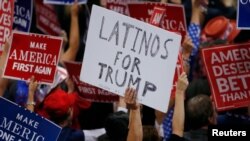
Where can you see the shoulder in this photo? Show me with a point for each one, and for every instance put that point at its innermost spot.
(71, 135)
(174, 137)
(196, 135)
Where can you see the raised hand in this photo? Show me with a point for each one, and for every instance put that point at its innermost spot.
(130, 99)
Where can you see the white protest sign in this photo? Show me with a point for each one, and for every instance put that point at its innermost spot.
(123, 52)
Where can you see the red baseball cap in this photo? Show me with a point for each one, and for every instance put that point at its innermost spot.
(58, 103)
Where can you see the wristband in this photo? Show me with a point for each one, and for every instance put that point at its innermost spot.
(31, 103)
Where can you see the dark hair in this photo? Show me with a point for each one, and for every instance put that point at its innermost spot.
(198, 110)
(116, 126)
(58, 119)
(150, 133)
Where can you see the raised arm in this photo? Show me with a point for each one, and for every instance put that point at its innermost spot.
(187, 47)
(32, 89)
(3, 59)
(74, 36)
(179, 112)
(135, 125)
(194, 29)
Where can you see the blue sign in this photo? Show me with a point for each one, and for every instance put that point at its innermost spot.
(19, 124)
(64, 2)
(243, 15)
(22, 15)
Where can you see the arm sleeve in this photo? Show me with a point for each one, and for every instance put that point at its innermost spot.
(194, 31)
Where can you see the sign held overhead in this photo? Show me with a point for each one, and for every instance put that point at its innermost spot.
(228, 70)
(123, 52)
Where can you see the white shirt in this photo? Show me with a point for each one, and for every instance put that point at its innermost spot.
(92, 135)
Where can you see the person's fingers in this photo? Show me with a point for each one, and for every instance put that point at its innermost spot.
(182, 81)
(35, 84)
(130, 97)
(134, 95)
(183, 75)
(126, 93)
(32, 79)
(183, 78)
(6, 45)
(130, 94)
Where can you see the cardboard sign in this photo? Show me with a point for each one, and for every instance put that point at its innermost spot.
(123, 52)
(170, 22)
(156, 19)
(243, 19)
(46, 19)
(19, 124)
(64, 2)
(228, 71)
(6, 21)
(87, 91)
(33, 54)
(23, 15)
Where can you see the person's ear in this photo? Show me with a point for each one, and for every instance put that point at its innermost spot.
(70, 114)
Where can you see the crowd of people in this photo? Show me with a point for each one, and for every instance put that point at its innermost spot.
(190, 112)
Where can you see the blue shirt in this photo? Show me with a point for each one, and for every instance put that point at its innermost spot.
(69, 134)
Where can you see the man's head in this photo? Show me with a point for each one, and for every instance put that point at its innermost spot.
(59, 106)
(150, 133)
(200, 112)
(116, 126)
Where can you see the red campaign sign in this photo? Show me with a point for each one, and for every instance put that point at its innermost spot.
(6, 20)
(174, 17)
(157, 16)
(120, 7)
(46, 18)
(87, 91)
(228, 71)
(33, 54)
